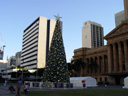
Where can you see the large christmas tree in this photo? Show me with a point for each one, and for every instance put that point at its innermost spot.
(56, 69)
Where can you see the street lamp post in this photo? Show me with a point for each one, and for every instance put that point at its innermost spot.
(3, 50)
(22, 74)
(22, 71)
(37, 71)
(36, 74)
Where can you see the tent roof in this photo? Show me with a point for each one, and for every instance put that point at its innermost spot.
(126, 77)
(80, 78)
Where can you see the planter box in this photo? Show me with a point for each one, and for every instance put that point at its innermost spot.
(70, 85)
(35, 84)
(58, 85)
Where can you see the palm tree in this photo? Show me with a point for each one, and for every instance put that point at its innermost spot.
(83, 66)
(78, 64)
(40, 71)
(92, 66)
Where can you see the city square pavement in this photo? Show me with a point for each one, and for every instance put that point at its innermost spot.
(4, 90)
(53, 89)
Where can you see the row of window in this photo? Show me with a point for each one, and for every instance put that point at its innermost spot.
(30, 47)
(30, 55)
(31, 35)
(30, 28)
(25, 60)
(101, 79)
(34, 65)
(28, 44)
(33, 57)
(33, 30)
(29, 51)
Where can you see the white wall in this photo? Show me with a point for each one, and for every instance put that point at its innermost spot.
(86, 35)
(3, 64)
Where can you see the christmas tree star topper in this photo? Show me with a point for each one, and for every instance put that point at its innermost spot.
(57, 17)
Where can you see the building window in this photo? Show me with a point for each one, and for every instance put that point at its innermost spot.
(100, 79)
(124, 67)
(105, 79)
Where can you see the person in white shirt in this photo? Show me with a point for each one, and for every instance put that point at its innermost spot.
(26, 88)
(5, 83)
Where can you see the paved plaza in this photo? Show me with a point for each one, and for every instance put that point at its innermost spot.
(4, 90)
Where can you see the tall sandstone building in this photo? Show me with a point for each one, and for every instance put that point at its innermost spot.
(36, 42)
(119, 17)
(112, 59)
(92, 35)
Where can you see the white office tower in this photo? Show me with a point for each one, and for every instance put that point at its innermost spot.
(36, 42)
(119, 17)
(92, 35)
(18, 58)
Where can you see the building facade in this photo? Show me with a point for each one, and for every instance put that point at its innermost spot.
(126, 9)
(18, 58)
(119, 17)
(3, 65)
(36, 42)
(92, 35)
(112, 59)
(11, 61)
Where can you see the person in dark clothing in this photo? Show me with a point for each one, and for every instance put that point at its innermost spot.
(11, 89)
(19, 84)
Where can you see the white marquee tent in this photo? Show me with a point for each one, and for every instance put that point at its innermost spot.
(125, 82)
(89, 81)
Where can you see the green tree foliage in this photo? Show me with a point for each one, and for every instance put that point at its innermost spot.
(40, 71)
(76, 66)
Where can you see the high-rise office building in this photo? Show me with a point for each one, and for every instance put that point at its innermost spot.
(126, 9)
(119, 17)
(122, 15)
(11, 61)
(18, 58)
(92, 35)
(36, 42)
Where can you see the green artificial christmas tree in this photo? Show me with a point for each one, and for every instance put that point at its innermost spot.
(56, 69)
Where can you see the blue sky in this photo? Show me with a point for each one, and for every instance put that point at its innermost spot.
(16, 15)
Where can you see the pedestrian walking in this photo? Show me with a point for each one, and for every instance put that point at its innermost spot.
(5, 83)
(18, 86)
(26, 88)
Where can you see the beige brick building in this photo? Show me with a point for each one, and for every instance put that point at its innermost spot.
(112, 59)
(36, 42)
(92, 35)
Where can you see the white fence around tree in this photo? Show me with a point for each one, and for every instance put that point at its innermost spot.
(48, 84)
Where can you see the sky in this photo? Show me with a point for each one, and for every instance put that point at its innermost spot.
(16, 15)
